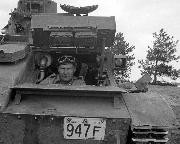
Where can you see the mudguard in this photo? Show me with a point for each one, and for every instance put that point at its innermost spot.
(9, 74)
(149, 109)
(152, 118)
(12, 52)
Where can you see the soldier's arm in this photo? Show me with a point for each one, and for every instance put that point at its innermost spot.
(48, 80)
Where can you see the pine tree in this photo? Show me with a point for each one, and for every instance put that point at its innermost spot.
(159, 57)
(120, 46)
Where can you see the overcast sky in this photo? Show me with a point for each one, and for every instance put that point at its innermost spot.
(137, 19)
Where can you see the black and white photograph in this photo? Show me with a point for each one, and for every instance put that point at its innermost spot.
(89, 72)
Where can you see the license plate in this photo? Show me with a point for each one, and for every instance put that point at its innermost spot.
(84, 128)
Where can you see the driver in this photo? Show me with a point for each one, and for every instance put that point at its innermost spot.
(66, 69)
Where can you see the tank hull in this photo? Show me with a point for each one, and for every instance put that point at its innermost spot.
(48, 129)
(40, 118)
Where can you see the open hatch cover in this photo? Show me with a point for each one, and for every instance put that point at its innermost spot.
(55, 89)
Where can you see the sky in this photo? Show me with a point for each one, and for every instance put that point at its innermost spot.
(136, 19)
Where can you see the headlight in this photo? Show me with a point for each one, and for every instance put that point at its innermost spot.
(120, 61)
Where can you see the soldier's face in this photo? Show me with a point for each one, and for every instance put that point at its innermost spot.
(66, 71)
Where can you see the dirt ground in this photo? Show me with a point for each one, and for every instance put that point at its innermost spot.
(172, 96)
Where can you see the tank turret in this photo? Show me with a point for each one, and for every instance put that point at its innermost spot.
(18, 28)
(19, 22)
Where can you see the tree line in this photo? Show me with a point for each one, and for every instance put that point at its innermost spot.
(159, 57)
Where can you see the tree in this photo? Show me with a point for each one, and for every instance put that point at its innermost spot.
(120, 46)
(159, 57)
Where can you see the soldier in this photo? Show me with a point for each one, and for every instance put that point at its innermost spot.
(65, 76)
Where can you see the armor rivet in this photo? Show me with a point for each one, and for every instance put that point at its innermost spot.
(19, 117)
(52, 118)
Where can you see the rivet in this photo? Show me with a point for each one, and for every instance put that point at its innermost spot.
(19, 117)
(52, 118)
(35, 118)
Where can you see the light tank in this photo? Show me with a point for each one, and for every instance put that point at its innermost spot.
(100, 112)
(16, 35)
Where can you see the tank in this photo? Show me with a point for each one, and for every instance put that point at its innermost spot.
(16, 35)
(100, 112)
